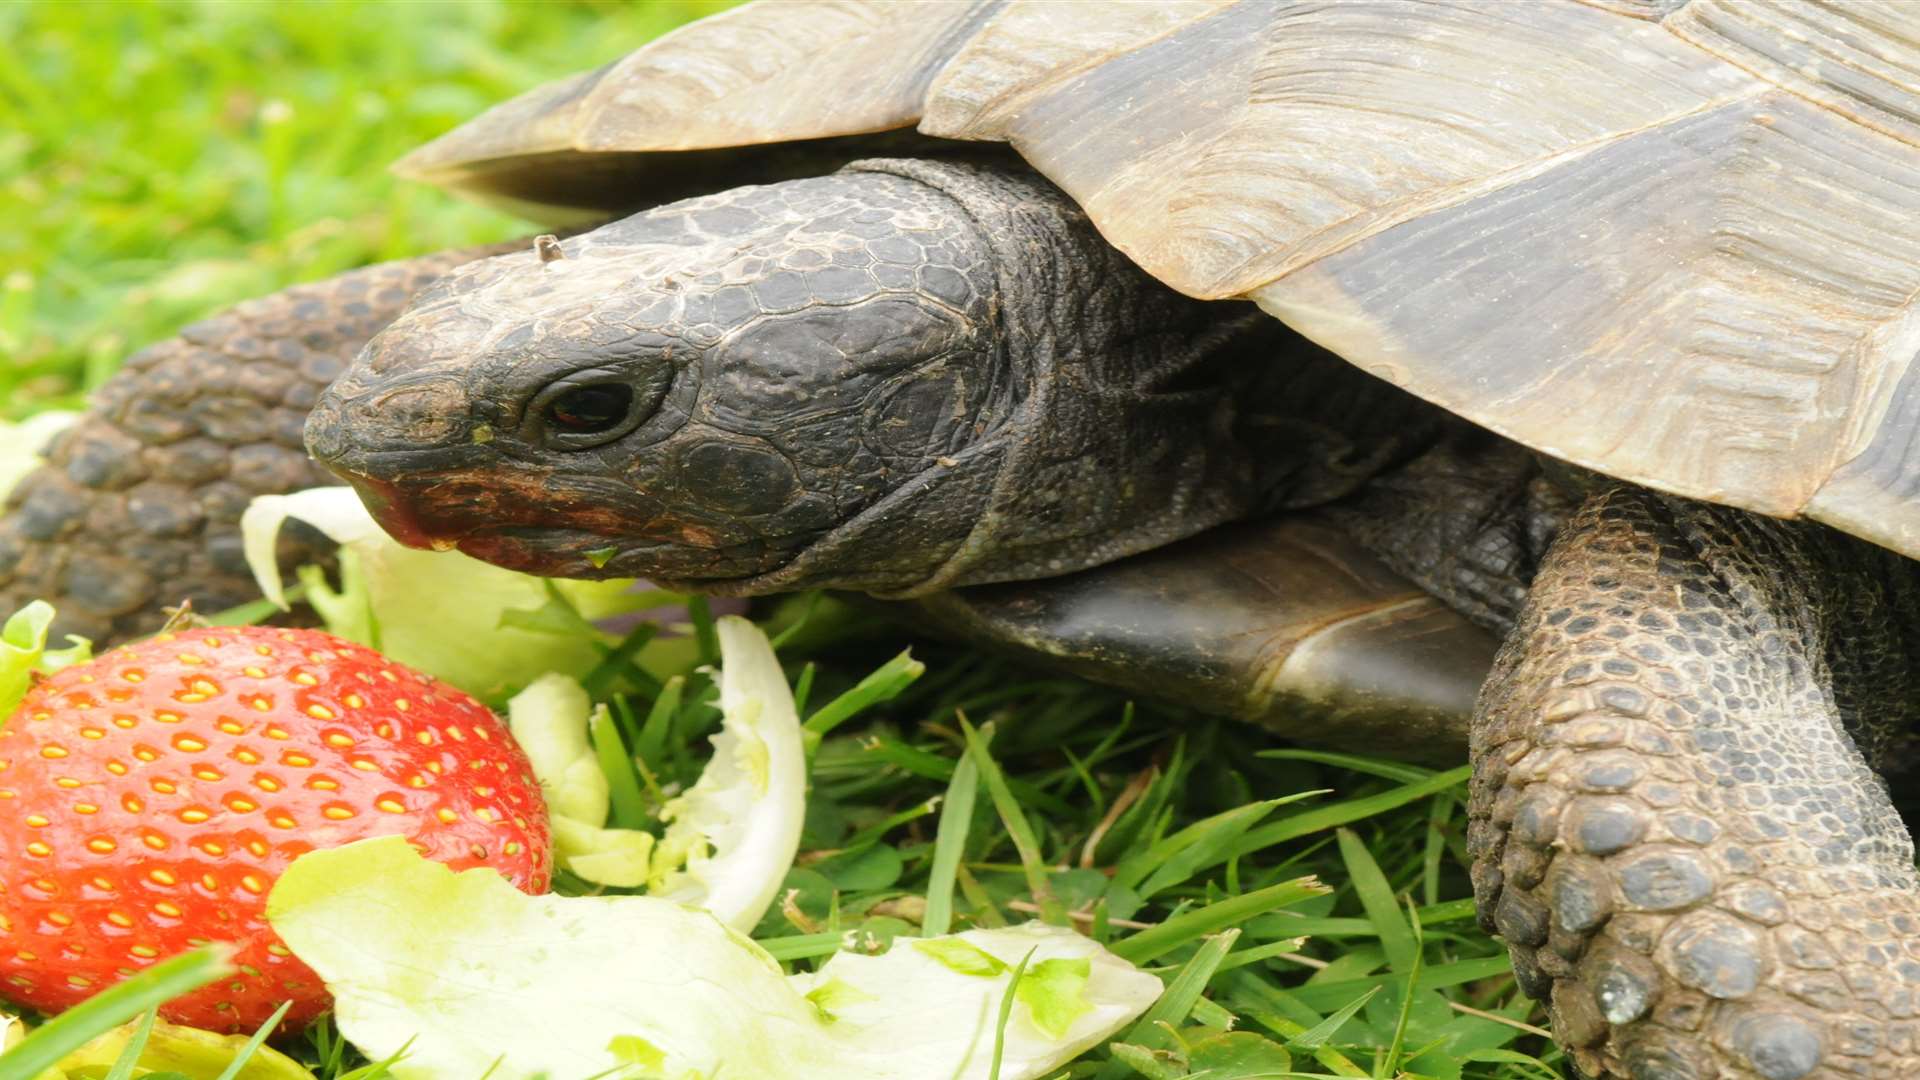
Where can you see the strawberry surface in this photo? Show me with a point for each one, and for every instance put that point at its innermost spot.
(149, 800)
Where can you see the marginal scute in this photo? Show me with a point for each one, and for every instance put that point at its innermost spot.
(748, 77)
(760, 74)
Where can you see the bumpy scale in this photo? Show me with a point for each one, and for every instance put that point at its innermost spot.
(140, 505)
(1676, 824)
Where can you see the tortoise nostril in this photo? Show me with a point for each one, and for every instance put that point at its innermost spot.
(425, 415)
(324, 434)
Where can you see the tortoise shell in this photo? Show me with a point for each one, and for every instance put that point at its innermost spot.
(1675, 242)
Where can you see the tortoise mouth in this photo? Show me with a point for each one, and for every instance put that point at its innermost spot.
(532, 526)
(397, 513)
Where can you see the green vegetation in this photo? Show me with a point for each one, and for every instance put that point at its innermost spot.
(161, 161)
(158, 162)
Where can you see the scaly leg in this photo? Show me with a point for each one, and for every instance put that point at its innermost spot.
(1676, 820)
(139, 505)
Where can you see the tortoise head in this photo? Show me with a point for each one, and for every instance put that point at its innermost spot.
(854, 380)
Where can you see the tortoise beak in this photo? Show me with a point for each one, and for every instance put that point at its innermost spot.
(394, 513)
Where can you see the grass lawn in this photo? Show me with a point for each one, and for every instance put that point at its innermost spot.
(160, 161)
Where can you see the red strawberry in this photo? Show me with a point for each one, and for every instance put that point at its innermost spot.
(150, 799)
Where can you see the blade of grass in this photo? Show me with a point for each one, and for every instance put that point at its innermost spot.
(985, 912)
(381, 1068)
(1318, 1035)
(932, 766)
(876, 832)
(1394, 1048)
(1325, 995)
(623, 783)
(949, 845)
(1197, 847)
(1006, 1015)
(1439, 812)
(1257, 1001)
(802, 946)
(700, 613)
(1263, 952)
(1376, 897)
(652, 747)
(1345, 813)
(884, 684)
(619, 662)
(803, 687)
(1018, 827)
(130, 1056)
(1391, 770)
(1153, 1029)
(806, 612)
(112, 1007)
(1171, 934)
(256, 611)
(232, 1071)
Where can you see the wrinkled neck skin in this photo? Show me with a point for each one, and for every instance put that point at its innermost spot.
(902, 377)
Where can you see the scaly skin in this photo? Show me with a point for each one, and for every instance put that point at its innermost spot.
(900, 378)
(1676, 824)
(139, 505)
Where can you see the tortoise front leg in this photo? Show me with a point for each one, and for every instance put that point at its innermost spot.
(139, 505)
(1676, 822)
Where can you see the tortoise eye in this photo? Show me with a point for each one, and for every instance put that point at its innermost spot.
(596, 406)
(590, 410)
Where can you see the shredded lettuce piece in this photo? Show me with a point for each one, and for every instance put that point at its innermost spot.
(474, 977)
(443, 612)
(21, 444)
(732, 836)
(175, 1049)
(24, 652)
(550, 721)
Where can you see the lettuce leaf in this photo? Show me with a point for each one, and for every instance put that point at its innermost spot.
(732, 836)
(474, 977)
(445, 613)
(549, 720)
(24, 652)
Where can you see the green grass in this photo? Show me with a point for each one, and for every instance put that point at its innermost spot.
(158, 162)
(161, 161)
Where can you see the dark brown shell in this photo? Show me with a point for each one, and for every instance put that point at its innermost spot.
(1676, 242)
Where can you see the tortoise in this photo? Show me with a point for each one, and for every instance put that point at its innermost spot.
(1533, 380)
